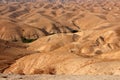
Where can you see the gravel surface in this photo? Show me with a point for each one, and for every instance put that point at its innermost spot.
(56, 77)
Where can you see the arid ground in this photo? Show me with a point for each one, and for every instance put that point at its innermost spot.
(60, 37)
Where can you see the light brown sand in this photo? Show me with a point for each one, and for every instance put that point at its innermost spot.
(56, 77)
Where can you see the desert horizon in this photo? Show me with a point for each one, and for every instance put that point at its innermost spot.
(59, 37)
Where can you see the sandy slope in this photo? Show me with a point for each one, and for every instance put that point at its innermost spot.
(9, 52)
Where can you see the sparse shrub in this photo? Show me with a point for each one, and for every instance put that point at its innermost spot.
(24, 40)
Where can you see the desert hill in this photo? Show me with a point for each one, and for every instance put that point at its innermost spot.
(14, 31)
(104, 50)
(9, 52)
(60, 37)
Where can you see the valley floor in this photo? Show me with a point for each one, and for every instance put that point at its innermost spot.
(56, 77)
